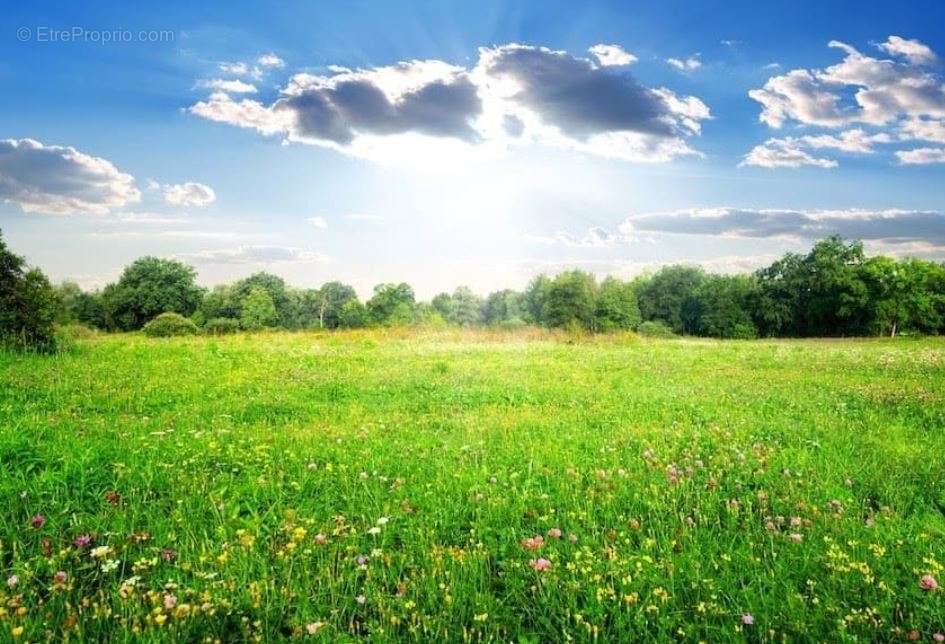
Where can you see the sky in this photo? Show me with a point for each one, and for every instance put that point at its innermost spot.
(456, 143)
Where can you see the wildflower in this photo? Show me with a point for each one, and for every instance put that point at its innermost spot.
(796, 522)
(938, 637)
(539, 564)
(38, 521)
(168, 554)
(748, 619)
(374, 531)
(170, 601)
(100, 552)
(16, 631)
(928, 583)
(12, 581)
(113, 497)
(361, 600)
(554, 533)
(320, 539)
(60, 578)
(382, 521)
(572, 538)
(82, 541)
(913, 635)
(362, 560)
(314, 627)
(796, 537)
(363, 475)
(533, 543)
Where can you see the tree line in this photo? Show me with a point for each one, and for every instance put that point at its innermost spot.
(833, 290)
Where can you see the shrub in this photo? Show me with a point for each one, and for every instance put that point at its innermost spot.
(28, 305)
(169, 324)
(221, 326)
(656, 329)
(512, 324)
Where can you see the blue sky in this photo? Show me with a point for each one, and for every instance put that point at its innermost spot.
(233, 139)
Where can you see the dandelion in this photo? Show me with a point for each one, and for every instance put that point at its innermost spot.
(928, 583)
(748, 619)
(554, 533)
(540, 564)
(82, 541)
(38, 521)
(170, 601)
(12, 581)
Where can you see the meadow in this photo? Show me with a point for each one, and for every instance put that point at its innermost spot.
(473, 486)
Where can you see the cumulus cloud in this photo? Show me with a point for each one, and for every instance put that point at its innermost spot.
(923, 130)
(514, 93)
(783, 153)
(916, 52)
(685, 65)
(921, 156)
(190, 193)
(890, 227)
(255, 254)
(855, 140)
(239, 69)
(612, 55)
(270, 60)
(61, 180)
(231, 86)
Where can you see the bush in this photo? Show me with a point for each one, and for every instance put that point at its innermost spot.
(656, 329)
(221, 326)
(28, 305)
(169, 324)
(512, 324)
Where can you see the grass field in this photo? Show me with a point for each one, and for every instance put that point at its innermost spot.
(473, 486)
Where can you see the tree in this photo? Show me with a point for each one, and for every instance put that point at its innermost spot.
(534, 299)
(504, 306)
(219, 302)
(148, 287)
(465, 309)
(353, 315)
(392, 304)
(258, 311)
(723, 303)
(331, 297)
(669, 295)
(286, 307)
(443, 304)
(28, 304)
(616, 306)
(570, 298)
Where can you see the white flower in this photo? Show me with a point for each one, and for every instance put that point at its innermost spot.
(375, 530)
(382, 521)
(100, 552)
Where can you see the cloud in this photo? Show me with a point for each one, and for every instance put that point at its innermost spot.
(595, 237)
(685, 65)
(891, 227)
(61, 180)
(190, 193)
(515, 93)
(270, 60)
(239, 69)
(318, 222)
(231, 86)
(612, 55)
(882, 90)
(921, 156)
(255, 255)
(923, 130)
(855, 140)
(916, 52)
(783, 153)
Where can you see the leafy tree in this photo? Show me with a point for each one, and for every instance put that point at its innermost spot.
(570, 298)
(286, 306)
(392, 304)
(148, 287)
(28, 304)
(443, 304)
(724, 306)
(504, 306)
(616, 306)
(258, 311)
(534, 299)
(466, 307)
(670, 295)
(903, 295)
(219, 302)
(352, 315)
(77, 306)
(330, 298)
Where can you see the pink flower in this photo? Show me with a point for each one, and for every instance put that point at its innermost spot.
(321, 539)
(554, 533)
(313, 628)
(938, 637)
(82, 541)
(12, 581)
(533, 543)
(170, 601)
(796, 537)
(60, 578)
(168, 554)
(38, 521)
(928, 583)
(540, 564)
(748, 619)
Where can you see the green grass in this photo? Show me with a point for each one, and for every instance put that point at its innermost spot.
(227, 456)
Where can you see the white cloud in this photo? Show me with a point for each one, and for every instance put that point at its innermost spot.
(685, 65)
(515, 95)
(855, 140)
(612, 55)
(595, 237)
(61, 180)
(923, 130)
(916, 52)
(258, 254)
(190, 193)
(783, 153)
(239, 69)
(270, 60)
(231, 86)
(921, 156)
(318, 222)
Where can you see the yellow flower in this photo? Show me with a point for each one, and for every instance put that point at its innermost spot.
(16, 631)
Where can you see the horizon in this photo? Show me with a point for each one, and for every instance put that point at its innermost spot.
(440, 146)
